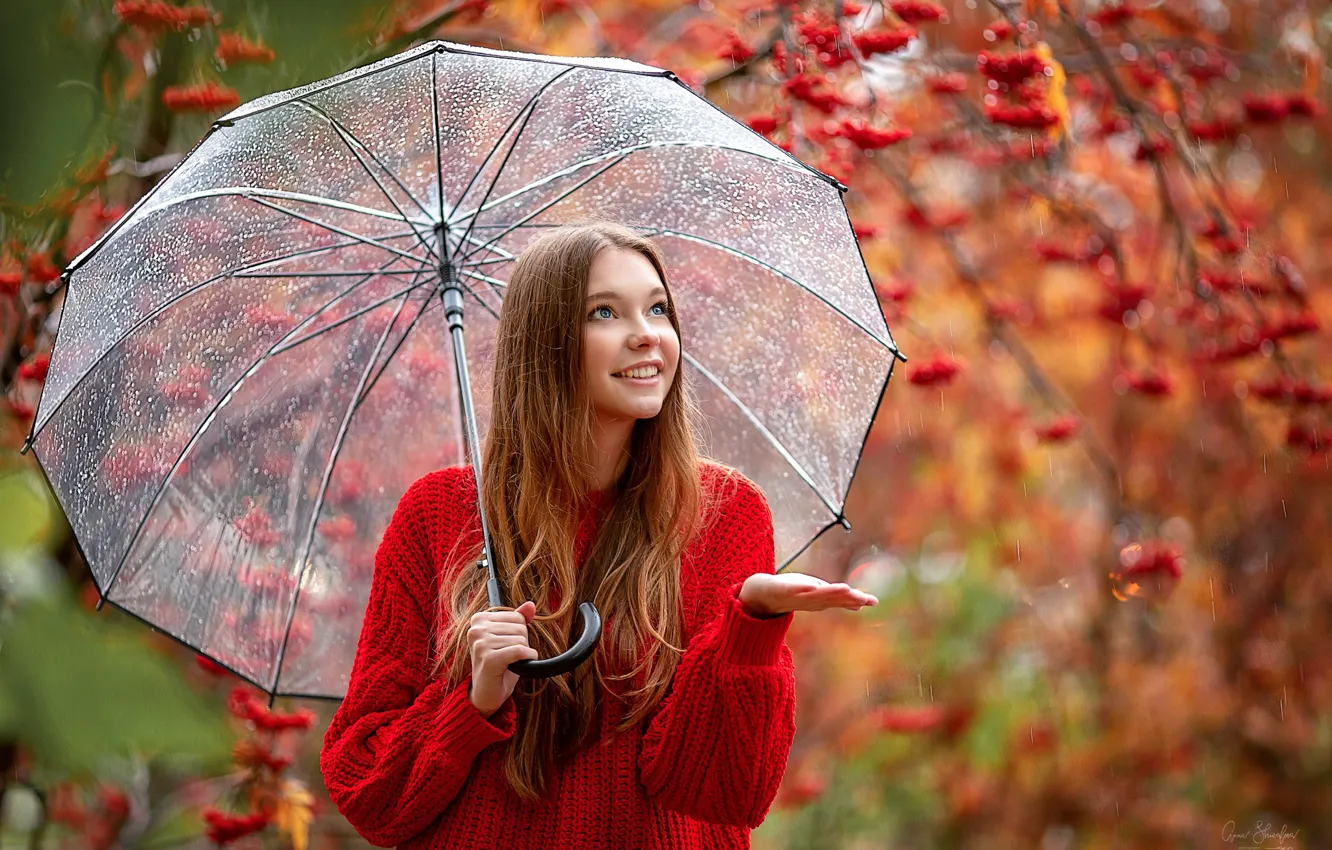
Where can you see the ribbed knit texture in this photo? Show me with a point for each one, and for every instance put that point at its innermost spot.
(412, 763)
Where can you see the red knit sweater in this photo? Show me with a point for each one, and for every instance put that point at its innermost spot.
(411, 762)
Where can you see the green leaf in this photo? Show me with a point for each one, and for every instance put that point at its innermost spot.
(76, 689)
(31, 517)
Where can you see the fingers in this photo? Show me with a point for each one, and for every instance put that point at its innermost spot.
(840, 595)
(490, 652)
(481, 630)
(506, 615)
(506, 656)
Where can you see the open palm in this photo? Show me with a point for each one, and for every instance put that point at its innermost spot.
(770, 594)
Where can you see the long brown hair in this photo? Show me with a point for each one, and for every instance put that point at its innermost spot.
(537, 466)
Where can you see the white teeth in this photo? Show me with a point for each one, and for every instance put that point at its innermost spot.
(645, 372)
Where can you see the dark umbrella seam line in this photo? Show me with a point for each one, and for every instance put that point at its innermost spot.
(500, 236)
(251, 192)
(839, 521)
(530, 110)
(287, 96)
(892, 367)
(762, 429)
(39, 426)
(878, 405)
(348, 137)
(133, 210)
(575, 167)
(335, 229)
(512, 56)
(425, 305)
(826, 178)
(897, 352)
(439, 154)
(356, 314)
(304, 559)
(330, 273)
(806, 287)
(528, 107)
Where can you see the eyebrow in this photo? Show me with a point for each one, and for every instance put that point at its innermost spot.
(660, 290)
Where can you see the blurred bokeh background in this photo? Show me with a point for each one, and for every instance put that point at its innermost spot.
(1094, 504)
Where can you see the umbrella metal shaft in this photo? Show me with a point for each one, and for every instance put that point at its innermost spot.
(451, 292)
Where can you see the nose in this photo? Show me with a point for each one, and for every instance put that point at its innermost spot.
(645, 338)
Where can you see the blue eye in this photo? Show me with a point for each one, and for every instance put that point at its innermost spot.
(666, 309)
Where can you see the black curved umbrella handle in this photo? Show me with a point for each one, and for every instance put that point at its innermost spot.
(544, 668)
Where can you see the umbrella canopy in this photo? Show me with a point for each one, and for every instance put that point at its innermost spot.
(253, 364)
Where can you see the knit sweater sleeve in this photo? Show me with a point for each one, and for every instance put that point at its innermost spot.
(399, 747)
(717, 748)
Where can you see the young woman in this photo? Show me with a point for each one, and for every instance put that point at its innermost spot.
(675, 734)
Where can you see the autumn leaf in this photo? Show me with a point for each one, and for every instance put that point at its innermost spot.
(293, 812)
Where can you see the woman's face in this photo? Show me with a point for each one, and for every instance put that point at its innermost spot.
(626, 323)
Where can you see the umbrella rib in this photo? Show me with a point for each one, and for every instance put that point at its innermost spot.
(579, 166)
(357, 313)
(689, 237)
(331, 273)
(439, 153)
(212, 414)
(493, 284)
(177, 297)
(518, 134)
(491, 261)
(304, 560)
(360, 311)
(512, 227)
(335, 229)
(426, 306)
(250, 192)
(348, 137)
(797, 553)
(762, 429)
(387, 360)
(528, 107)
(505, 256)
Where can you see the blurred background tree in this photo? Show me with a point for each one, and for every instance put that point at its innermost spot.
(1094, 503)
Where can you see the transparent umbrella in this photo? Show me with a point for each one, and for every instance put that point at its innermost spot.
(254, 363)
